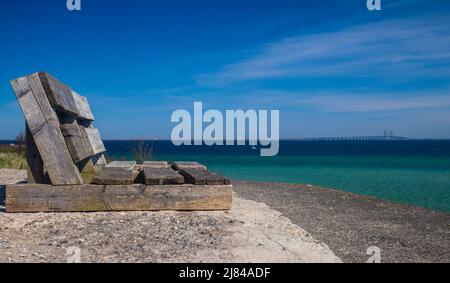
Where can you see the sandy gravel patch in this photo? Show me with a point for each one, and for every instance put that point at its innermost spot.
(264, 235)
(11, 176)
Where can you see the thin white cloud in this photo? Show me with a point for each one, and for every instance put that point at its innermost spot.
(405, 47)
(375, 103)
(338, 101)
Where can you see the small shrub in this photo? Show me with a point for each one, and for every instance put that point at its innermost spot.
(141, 151)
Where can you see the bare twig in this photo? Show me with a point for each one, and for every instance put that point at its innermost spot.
(141, 151)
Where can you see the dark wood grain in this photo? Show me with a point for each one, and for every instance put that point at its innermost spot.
(202, 177)
(162, 176)
(59, 94)
(114, 176)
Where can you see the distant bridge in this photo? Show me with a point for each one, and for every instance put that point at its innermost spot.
(357, 138)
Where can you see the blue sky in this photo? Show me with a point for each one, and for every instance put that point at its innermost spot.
(332, 68)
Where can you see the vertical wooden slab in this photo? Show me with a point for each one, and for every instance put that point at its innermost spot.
(44, 127)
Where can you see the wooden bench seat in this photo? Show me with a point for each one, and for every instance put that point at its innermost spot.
(61, 137)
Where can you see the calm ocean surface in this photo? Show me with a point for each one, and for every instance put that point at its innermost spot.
(413, 172)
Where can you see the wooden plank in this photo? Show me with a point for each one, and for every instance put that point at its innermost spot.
(33, 101)
(202, 177)
(83, 107)
(156, 164)
(127, 165)
(93, 198)
(162, 176)
(185, 165)
(57, 159)
(95, 140)
(44, 127)
(114, 176)
(68, 130)
(35, 171)
(77, 142)
(59, 94)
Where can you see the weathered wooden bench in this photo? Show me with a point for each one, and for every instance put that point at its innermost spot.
(68, 171)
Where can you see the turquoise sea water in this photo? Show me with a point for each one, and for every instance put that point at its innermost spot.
(413, 172)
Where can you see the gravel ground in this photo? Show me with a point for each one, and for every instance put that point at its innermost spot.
(250, 232)
(349, 224)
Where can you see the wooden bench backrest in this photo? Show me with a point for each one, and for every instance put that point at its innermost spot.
(59, 129)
